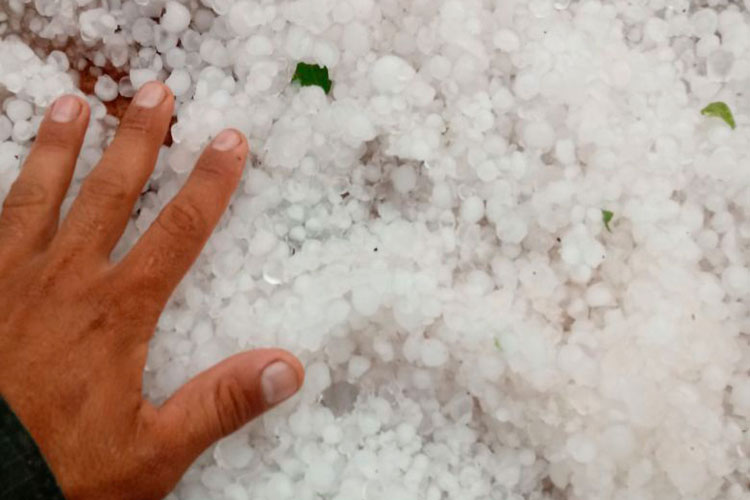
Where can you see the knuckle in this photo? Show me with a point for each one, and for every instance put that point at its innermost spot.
(53, 140)
(26, 194)
(233, 406)
(102, 190)
(183, 219)
(137, 122)
(216, 170)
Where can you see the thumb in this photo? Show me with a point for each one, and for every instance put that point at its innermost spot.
(224, 398)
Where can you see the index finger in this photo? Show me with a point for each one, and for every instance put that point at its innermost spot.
(163, 255)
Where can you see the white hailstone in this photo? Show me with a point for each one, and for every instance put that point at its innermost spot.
(279, 486)
(356, 39)
(433, 352)
(175, 58)
(506, 40)
(581, 447)
(599, 295)
(472, 209)
(320, 476)
(368, 423)
(233, 452)
(384, 349)
(22, 131)
(619, 441)
(358, 366)
(299, 422)
(565, 151)
(140, 77)
(391, 74)
(441, 195)
(59, 59)
(259, 45)
(526, 86)
(203, 19)
(235, 492)
(332, 434)
(656, 30)
(244, 16)
(365, 300)
(404, 179)
(405, 433)
(511, 228)
(704, 22)
(539, 135)
(18, 110)
(106, 89)
(176, 17)
(262, 242)
(491, 366)
(142, 31)
(178, 82)
(317, 378)
(736, 280)
(214, 478)
(343, 13)
(202, 332)
(366, 462)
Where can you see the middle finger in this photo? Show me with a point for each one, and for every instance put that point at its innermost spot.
(104, 204)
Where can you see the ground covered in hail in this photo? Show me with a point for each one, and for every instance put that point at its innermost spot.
(509, 239)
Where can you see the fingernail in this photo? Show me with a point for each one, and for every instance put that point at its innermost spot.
(278, 382)
(150, 95)
(65, 109)
(227, 140)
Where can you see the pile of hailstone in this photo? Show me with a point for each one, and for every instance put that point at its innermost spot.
(429, 236)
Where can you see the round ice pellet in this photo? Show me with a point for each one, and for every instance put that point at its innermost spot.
(233, 452)
(176, 17)
(581, 447)
(539, 135)
(178, 82)
(506, 40)
(140, 77)
(23, 131)
(404, 179)
(391, 74)
(365, 300)
(320, 476)
(18, 110)
(433, 353)
(106, 89)
(472, 209)
(358, 365)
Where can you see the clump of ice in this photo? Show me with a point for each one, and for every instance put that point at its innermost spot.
(429, 236)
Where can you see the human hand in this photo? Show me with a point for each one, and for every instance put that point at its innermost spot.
(74, 327)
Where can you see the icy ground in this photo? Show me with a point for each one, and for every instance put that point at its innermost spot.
(429, 237)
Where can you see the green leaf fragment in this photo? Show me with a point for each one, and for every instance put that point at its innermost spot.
(312, 75)
(497, 344)
(607, 218)
(720, 110)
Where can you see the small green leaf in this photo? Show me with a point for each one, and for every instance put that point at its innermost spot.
(720, 110)
(607, 218)
(311, 74)
(497, 345)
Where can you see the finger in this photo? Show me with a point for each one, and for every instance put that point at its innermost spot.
(164, 254)
(224, 398)
(32, 208)
(103, 206)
